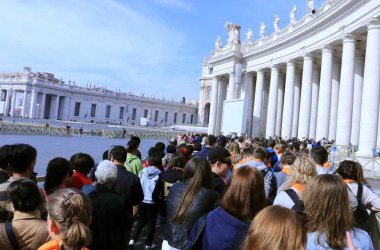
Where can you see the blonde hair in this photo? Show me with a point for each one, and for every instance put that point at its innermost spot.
(327, 205)
(276, 228)
(70, 209)
(303, 170)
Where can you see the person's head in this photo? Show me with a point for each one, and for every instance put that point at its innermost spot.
(201, 170)
(177, 161)
(22, 159)
(173, 141)
(271, 143)
(319, 155)
(117, 154)
(24, 195)
(160, 146)
(245, 195)
(171, 149)
(349, 170)
(155, 157)
(106, 173)
(105, 155)
(288, 158)
(132, 146)
(136, 139)
(361, 178)
(259, 154)
(220, 160)
(183, 149)
(303, 171)
(82, 163)
(58, 172)
(276, 228)
(240, 139)
(234, 148)
(247, 153)
(279, 149)
(4, 155)
(210, 140)
(69, 214)
(327, 205)
(197, 146)
(222, 141)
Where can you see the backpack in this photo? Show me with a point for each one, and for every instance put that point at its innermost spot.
(273, 182)
(167, 186)
(298, 203)
(361, 215)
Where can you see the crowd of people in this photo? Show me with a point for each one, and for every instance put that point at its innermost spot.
(201, 191)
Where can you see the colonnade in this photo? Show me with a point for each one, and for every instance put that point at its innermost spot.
(33, 104)
(331, 93)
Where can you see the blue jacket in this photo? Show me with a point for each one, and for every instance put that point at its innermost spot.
(223, 231)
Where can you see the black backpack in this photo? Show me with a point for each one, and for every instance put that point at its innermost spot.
(361, 215)
(299, 206)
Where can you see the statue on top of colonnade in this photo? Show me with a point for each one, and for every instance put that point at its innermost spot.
(276, 23)
(249, 37)
(292, 15)
(310, 6)
(262, 30)
(233, 31)
(218, 43)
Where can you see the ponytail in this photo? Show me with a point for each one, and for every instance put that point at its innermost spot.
(71, 210)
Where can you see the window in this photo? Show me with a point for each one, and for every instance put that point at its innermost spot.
(145, 113)
(121, 113)
(191, 119)
(77, 109)
(93, 110)
(108, 111)
(134, 114)
(183, 118)
(155, 116)
(175, 118)
(166, 116)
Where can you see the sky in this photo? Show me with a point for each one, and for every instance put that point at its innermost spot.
(155, 47)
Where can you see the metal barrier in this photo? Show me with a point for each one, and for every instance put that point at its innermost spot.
(370, 164)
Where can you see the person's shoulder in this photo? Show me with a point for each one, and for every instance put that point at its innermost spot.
(360, 234)
(51, 245)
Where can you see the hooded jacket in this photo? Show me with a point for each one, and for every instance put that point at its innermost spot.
(148, 179)
(268, 183)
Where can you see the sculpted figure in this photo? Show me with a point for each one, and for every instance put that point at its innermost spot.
(276, 23)
(292, 15)
(218, 44)
(310, 6)
(262, 30)
(249, 36)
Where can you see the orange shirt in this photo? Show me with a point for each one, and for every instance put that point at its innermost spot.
(54, 245)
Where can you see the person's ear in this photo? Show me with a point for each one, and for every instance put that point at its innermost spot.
(53, 227)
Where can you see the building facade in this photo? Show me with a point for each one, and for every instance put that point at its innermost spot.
(319, 77)
(43, 96)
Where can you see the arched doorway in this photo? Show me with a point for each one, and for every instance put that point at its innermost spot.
(206, 114)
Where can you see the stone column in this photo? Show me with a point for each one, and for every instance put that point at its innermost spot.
(222, 88)
(265, 105)
(258, 106)
(314, 103)
(231, 91)
(334, 98)
(287, 119)
(43, 102)
(56, 112)
(296, 103)
(346, 92)
(371, 90)
(32, 108)
(272, 102)
(305, 106)
(280, 104)
(213, 106)
(8, 102)
(248, 102)
(200, 106)
(13, 104)
(323, 116)
(24, 104)
(358, 90)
